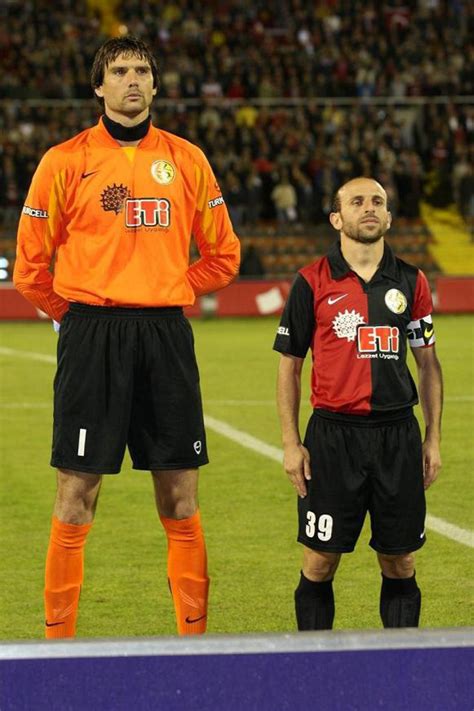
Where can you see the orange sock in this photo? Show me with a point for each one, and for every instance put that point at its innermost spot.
(63, 577)
(187, 572)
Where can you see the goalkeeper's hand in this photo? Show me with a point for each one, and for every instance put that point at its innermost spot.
(56, 326)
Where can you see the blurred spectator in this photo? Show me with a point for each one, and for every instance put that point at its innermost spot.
(304, 193)
(409, 179)
(297, 48)
(251, 264)
(246, 116)
(318, 146)
(285, 200)
(464, 193)
(211, 87)
(235, 198)
(253, 185)
(210, 116)
(225, 55)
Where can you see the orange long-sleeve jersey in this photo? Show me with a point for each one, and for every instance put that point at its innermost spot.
(117, 222)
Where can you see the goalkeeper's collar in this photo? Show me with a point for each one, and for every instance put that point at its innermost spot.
(126, 133)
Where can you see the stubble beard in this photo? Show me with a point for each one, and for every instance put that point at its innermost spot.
(134, 109)
(133, 113)
(359, 234)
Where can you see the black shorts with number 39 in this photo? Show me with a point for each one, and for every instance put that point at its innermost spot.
(361, 464)
(127, 377)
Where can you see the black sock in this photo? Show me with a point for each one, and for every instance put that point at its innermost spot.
(314, 605)
(400, 602)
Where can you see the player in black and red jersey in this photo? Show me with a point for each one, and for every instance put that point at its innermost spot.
(356, 308)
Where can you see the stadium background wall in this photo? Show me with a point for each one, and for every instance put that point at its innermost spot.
(253, 298)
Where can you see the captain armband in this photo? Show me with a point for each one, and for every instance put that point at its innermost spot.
(420, 333)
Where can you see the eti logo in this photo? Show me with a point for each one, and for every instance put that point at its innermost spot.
(378, 339)
(147, 212)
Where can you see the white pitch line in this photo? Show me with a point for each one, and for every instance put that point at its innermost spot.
(29, 355)
(244, 439)
(449, 530)
(460, 535)
(455, 533)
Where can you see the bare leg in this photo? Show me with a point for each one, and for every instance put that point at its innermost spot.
(76, 496)
(176, 492)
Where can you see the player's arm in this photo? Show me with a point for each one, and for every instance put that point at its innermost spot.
(294, 336)
(295, 455)
(218, 245)
(421, 337)
(38, 229)
(430, 388)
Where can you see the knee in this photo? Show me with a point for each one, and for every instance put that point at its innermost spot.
(319, 566)
(397, 566)
(74, 509)
(176, 493)
(76, 498)
(177, 507)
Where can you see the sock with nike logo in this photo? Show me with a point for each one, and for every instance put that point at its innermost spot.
(187, 572)
(63, 577)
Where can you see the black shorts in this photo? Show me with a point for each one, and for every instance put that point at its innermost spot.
(361, 464)
(127, 377)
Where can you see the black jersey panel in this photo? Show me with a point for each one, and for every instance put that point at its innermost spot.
(391, 306)
(297, 324)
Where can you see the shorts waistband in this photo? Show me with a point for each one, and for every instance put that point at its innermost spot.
(373, 419)
(125, 312)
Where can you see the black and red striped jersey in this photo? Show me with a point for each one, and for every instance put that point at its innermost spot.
(358, 332)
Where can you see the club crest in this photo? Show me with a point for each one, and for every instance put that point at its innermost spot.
(396, 301)
(163, 172)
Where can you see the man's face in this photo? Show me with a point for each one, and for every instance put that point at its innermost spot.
(363, 216)
(127, 87)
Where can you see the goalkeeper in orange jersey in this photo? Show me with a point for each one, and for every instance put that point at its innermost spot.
(115, 208)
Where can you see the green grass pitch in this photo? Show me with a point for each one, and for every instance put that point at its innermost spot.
(248, 507)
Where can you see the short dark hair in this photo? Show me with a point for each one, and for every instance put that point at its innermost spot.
(110, 50)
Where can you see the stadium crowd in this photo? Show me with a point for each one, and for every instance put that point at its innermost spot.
(249, 48)
(221, 61)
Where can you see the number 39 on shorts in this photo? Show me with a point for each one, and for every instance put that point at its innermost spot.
(324, 530)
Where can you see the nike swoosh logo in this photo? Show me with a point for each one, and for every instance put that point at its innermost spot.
(52, 624)
(190, 621)
(428, 334)
(332, 301)
(86, 175)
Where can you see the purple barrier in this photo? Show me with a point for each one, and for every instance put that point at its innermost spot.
(414, 678)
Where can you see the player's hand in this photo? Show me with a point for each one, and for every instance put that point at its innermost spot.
(297, 466)
(431, 461)
(56, 326)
